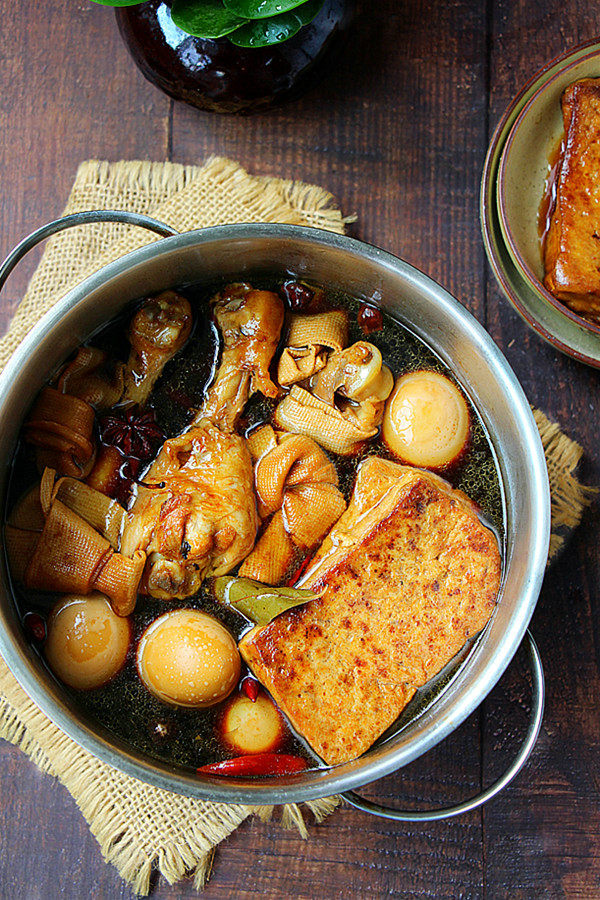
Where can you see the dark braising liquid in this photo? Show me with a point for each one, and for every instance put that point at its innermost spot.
(189, 738)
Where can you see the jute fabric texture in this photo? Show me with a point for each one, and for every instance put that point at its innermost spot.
(137, 826)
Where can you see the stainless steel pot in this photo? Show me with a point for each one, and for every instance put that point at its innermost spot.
(246, 251)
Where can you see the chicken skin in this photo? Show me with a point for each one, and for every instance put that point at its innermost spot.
(157, 332)
(195, 512)
(250, 322)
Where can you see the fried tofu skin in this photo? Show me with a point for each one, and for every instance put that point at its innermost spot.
(409, 573)
(572, 248)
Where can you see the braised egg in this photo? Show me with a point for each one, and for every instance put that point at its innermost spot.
(252, 726)
(87, 642)
(426, 420)
(187, 658)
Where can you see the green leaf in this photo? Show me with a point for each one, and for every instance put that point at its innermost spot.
(205, 18)
(259, 602)
(261, 9)
(119, 2)
(265, 32)
(275, 30)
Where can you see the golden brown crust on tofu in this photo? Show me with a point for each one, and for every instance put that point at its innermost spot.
(572, 248)
(409, 573)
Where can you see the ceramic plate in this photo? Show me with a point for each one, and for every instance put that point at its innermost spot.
(549, 319)
(523, 169)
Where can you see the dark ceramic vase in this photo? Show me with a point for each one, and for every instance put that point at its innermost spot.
(218, 76)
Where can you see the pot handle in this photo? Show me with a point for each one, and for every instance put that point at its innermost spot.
(432, 815)
(80, 218)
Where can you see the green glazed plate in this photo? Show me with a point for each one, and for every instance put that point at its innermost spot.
(548, 318)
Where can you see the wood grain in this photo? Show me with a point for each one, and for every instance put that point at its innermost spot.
(398, 133)
(69, 92)
(542, 836)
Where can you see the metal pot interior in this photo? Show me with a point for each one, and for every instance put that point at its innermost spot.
(241, 252)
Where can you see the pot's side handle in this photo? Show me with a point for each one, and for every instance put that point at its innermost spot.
(80, 218)
(537, 712)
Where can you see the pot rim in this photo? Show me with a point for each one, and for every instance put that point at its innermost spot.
(315, 783)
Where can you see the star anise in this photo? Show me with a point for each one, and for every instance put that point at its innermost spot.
(136, 434)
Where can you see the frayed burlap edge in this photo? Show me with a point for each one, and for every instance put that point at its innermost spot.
(185, 197)
(138, 827)
(569, 497)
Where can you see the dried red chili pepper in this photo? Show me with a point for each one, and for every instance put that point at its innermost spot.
(257, 764)
(250, 687)
(299, 570)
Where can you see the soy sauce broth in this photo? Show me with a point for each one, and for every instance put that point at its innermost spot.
(188, 738)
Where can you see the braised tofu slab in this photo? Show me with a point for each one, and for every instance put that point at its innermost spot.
(572, 248)
(409, 573)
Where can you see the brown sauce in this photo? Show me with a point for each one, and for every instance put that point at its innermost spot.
(548, 201)
(188, 738)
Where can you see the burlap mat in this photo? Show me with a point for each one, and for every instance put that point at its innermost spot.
(137, 826)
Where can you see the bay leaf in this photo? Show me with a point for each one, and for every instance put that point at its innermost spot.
(260, 603)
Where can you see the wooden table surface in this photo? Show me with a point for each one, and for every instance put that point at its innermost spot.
(399, 134)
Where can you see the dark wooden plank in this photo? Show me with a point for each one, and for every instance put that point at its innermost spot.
(47, 847)
(397, 133)
(541, 836)
(69, 93)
